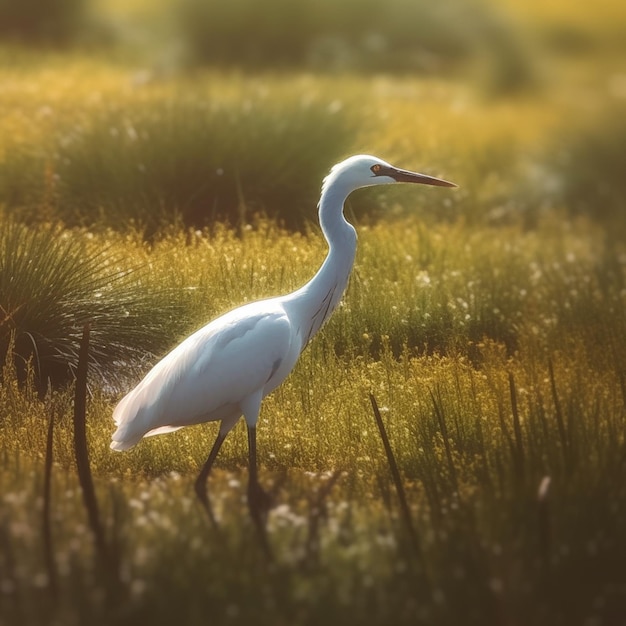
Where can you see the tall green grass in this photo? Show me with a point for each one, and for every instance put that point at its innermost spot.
(446, 289)
(512, 473)
(511, 453)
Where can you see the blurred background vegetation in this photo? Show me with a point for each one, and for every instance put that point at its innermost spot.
(208, 110)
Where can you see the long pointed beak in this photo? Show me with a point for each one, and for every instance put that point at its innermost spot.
(405, 176)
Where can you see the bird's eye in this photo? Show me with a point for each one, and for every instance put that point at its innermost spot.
(376, 168)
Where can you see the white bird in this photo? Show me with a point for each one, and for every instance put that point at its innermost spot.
(225, 369)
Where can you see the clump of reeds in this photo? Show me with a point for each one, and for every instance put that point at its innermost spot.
(52, 283)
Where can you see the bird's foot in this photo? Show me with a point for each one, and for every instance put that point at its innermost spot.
(260, 501)
(201, 492)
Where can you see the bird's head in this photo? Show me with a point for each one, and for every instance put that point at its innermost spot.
(363, 170)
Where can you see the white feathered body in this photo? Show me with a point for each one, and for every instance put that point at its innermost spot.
(212, 374)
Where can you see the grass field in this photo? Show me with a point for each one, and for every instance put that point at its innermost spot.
(488, 322)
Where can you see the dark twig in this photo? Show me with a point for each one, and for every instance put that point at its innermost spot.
(559, 416)
(82, 455)
(444, 434)
(404, 507)
(47, 532)
(517, 428)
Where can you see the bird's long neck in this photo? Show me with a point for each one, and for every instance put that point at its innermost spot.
(314, 303)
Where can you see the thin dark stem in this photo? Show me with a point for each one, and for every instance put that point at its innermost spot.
(404, 507)
(559, 417)
(444, 433)
(81, 452)
(517, 427)
(47, 531)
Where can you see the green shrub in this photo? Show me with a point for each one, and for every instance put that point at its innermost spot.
(52, 283)
(202, 161)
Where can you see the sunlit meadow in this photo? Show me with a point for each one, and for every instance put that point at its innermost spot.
(146, 193)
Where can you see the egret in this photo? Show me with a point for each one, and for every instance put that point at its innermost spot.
(225, 369)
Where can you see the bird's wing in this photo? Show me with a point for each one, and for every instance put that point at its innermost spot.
(209, 374)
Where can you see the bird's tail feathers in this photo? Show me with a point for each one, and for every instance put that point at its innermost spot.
(129, 417)
(120, 446)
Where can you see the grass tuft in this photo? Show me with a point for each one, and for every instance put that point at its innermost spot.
(52, 283)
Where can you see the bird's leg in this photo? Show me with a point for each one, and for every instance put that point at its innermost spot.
(200, 484)
(259, 501)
